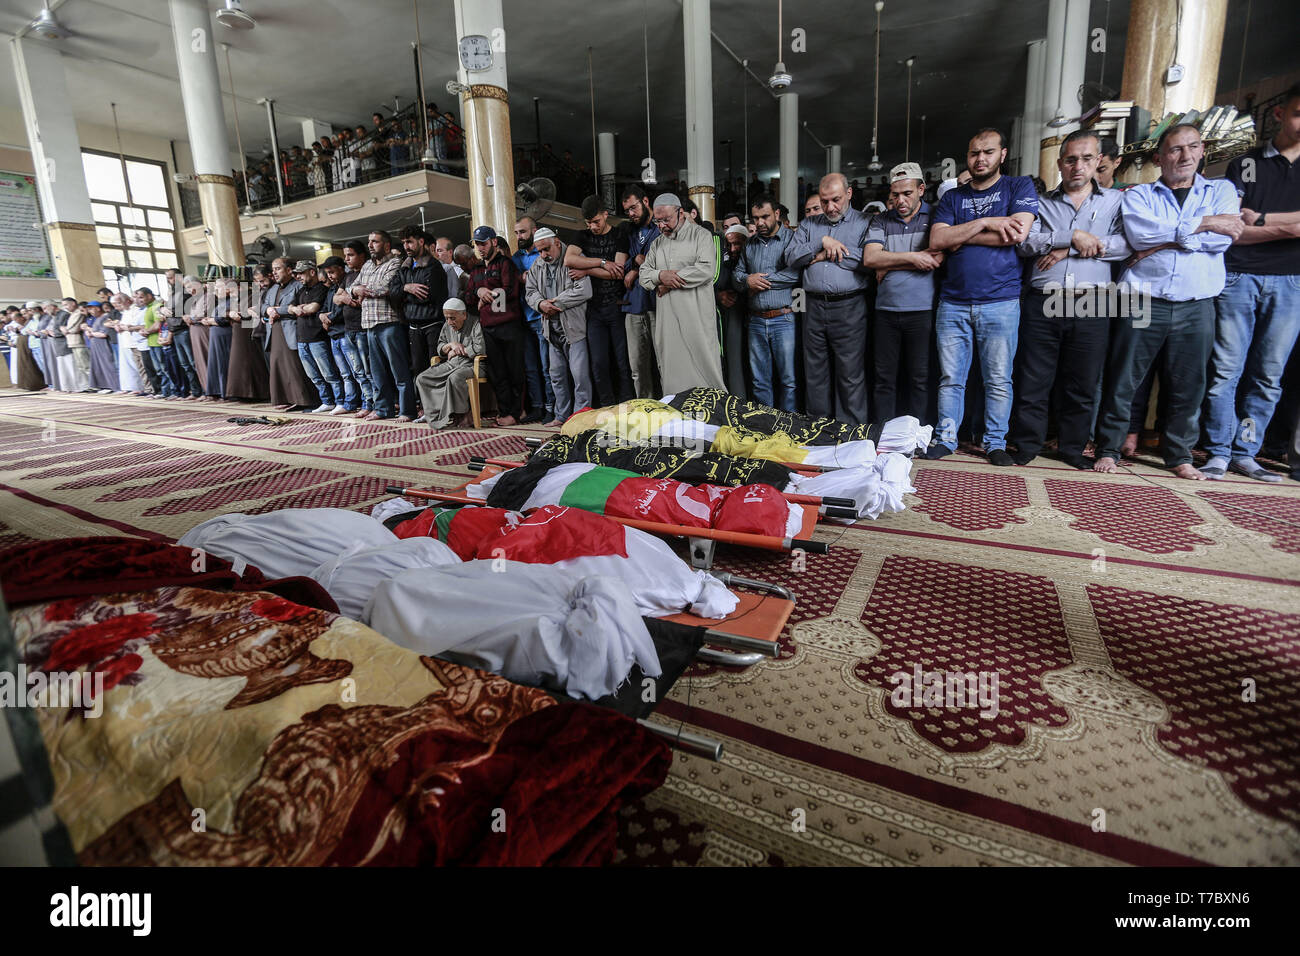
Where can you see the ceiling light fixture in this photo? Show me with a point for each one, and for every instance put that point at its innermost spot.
(234, 17)
(874, 165)
(780, 79)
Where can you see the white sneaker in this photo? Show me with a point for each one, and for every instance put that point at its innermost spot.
(323, 408)
(337, 410)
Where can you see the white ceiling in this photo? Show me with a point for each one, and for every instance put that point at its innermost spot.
(338, 62)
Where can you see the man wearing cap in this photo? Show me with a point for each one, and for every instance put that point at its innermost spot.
(561, 300)
(541, 399)
(313, 342)
(898, 249)
(444, 388)
(978, 225)
(680, 269)
(639, 306)
(601, 254)
(732, 297)
(493, 289)
(390, 351)
(1065, 326)
(764, 272)
(828, 248)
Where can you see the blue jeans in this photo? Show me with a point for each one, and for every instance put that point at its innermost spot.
(360, 358)
(537, 370)
(185, 359)
(994, 327)
(1258, 323)
(348, 364)
(390, 367)
(318, 362)
(771, 348)
(155, 358)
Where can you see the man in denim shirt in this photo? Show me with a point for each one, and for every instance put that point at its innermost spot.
(639, 306)
(763, 272)
(1180, 225)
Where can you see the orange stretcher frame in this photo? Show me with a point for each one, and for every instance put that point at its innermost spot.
(703, 541)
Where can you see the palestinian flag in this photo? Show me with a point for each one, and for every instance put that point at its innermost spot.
(462, 529)
(645, 422)
(753, 509)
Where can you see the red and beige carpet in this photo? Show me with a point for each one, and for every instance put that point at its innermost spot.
(1144, 633)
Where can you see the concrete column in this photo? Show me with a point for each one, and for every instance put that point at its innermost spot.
(60, 177)
(1067, 51)
(485, 111)
(698, 44)
(833, 159)
(205, 120)
(789, 151)
(1032, 124)
(1157, 37)
(605, 152)
(313, 130)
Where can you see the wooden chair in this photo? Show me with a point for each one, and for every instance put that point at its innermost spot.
(475, 381)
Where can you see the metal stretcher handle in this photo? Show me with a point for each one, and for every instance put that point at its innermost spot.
(686, 740)
(767, 587)
(838, 512)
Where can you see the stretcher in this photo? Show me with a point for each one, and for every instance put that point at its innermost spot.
(826, 506)
(802, 468)
(702, 542)
(744, 637)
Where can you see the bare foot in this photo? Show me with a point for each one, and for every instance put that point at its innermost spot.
(506, 421)
(1130, 445)
(1104, 465)
(1189, 471)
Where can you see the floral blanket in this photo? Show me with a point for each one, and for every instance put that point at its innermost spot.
(229, 725)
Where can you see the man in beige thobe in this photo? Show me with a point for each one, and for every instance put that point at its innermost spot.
(679, 268)
(444, 388)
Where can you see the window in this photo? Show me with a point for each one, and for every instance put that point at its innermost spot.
(133, 219)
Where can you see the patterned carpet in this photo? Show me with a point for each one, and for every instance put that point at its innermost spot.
(1144, 633)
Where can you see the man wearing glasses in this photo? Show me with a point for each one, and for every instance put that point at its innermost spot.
(679, 269)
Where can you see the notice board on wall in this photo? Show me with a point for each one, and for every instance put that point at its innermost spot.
(23, 249)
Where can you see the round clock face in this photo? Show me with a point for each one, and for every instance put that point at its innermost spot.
(476, 53)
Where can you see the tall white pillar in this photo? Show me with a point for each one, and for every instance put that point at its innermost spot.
(313, 130)
(485, 111)
(789, 150)
(833, 159)
(698, 45)
(605, 153)
(56, 158)
(1067, 51)
(205, 121)
(1031, 125)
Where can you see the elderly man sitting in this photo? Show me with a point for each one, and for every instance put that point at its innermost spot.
(444, 388)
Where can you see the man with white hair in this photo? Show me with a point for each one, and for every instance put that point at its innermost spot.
(549, 288)
(680, 268)
(444, 387)
(828, 248)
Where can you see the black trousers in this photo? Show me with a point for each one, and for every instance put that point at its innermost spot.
(902, 345)
(505, 356)
(1052, 348)
(1185, 330)
(834, 352)
(424, 345)
(611, 371)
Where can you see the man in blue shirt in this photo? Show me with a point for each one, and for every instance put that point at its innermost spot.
(898, 250)
(979, 225)
(536, 358)
(1259, 308)
(762, 270)
(639, 305)
(1180, 226)
(828, 248)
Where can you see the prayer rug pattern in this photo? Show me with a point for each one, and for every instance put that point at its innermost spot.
(1125, 617)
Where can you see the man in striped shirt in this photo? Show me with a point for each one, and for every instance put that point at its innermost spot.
(389, 350)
